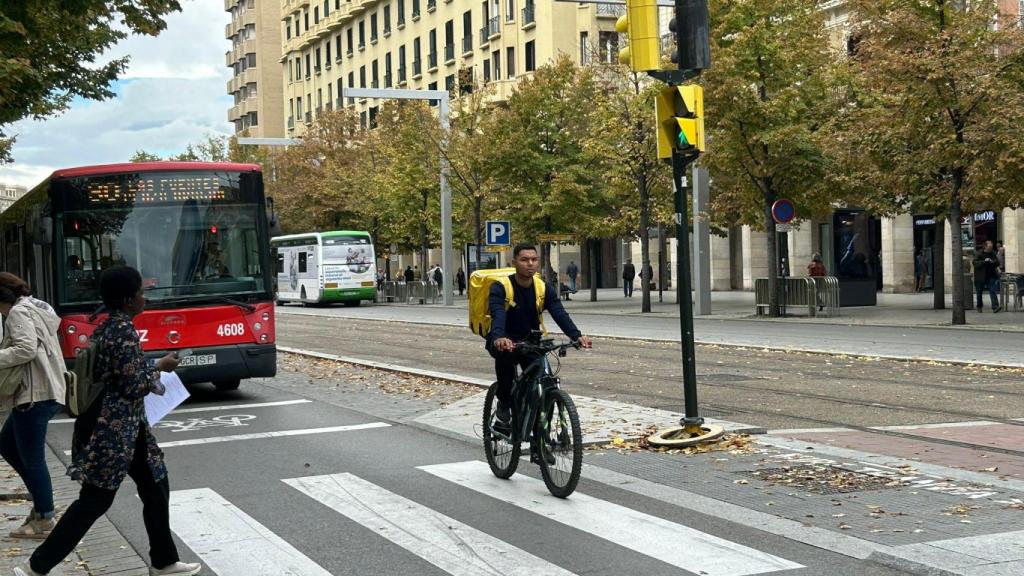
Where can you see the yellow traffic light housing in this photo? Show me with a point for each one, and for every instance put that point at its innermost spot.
(680, 117)
(640, 23)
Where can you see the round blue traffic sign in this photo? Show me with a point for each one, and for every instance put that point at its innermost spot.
(783, 211)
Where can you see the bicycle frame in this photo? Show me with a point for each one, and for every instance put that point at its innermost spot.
(528, 393)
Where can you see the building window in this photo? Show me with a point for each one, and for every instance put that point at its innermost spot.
(362, 34)
(584, 49)
(316, 15)
(401, 61)
(467, 31)
(487, 71)
(465, 81)
(387, 20)
(297, 33)
(308, 67)
(362, 76)
(609, 46)
(316, 60)
(510, 10)
(401, 12)
(288, 29)
(449, 82)
(251, 59)
(373, 28)
(337, 47)
(341, 89)
(496, 64)
(291, 73)
(319, 100)
(374, 70)
(510, 62)
(350, 47)
(415, 9)
(305, 18)
(531, 56)
(373, 116)
(432, 49)
(327, 57)
(298, 68)
(387, 70)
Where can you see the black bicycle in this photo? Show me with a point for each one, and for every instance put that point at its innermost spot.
(543, 414)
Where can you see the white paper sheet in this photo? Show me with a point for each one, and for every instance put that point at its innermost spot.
(157, 407)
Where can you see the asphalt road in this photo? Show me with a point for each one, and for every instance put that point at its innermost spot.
(390, 499)
(770, 388)
(932, 343)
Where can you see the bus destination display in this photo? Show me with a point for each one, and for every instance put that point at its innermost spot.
(158, 188)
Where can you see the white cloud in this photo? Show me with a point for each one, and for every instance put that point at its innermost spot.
(173, 94)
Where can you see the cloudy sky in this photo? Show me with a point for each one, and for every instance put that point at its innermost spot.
(173, 93)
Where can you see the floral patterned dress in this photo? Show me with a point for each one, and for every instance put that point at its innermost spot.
(105, 435)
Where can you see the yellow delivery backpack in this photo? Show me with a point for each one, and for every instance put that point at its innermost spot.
(480, 283)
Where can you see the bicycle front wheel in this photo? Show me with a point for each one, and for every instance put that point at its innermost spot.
(502, 454)
(559, 443)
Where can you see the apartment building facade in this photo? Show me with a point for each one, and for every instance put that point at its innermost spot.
(9, 194)
(255, 36)
(330, 45)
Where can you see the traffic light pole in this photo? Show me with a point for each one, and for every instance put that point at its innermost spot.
(692, 421)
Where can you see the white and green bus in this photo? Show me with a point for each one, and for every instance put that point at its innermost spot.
(325, 267)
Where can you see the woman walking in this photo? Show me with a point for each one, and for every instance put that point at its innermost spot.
(112, 439)
(30, 345)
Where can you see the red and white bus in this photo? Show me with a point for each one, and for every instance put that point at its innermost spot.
(197, 231)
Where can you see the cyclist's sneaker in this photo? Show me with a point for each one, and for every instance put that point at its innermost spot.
(503, 419)
(549, 456)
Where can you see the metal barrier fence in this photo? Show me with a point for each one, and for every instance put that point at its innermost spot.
(817, 294)
(1011, 291)
(397, 292)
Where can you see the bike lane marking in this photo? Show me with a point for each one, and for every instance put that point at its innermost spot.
(264, 435)
(231, 542)
(213, 408)
(649, 535)
(452, 546)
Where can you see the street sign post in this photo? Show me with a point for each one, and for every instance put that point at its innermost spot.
(556, 237)
(783, 211)
(498, 233)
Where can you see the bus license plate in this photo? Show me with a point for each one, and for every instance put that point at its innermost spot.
(198, 360)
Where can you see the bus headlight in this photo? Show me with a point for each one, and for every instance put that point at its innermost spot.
(264, 338)
(82, 338)
(72, 329)
(257, 326)
(266, 316)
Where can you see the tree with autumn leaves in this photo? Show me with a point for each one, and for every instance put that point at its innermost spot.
(933, 113)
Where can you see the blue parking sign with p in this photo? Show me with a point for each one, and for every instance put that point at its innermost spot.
(499, 233)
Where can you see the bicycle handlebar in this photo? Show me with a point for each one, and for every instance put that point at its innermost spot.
(546, 347)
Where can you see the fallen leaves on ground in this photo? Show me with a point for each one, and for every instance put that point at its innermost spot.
(960, 510)
(731, 443)
(824, 479)
(386, 381)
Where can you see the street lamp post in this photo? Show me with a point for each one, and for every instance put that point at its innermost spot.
(446, 193)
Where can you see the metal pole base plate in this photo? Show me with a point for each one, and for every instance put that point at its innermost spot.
(679, 437)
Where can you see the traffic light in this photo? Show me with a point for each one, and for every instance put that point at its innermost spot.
(690, 27)
(640, 23)
(680, 115)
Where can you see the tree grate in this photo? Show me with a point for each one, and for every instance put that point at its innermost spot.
(822, 479)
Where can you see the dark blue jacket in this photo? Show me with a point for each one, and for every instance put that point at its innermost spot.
(520, 319)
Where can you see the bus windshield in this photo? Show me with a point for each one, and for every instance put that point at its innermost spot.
(190, 244)
(354, 251)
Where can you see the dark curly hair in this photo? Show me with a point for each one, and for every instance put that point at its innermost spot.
(118, 285)
(12, 288)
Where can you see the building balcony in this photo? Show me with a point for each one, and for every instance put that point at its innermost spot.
(373, 39)
(309, 117)
(229, 4)
(529, 17)
(401, 73)
(417, 68)
(467, 45)
(431, 5)
(362, 46)
(449, 54)
(357, 7)
(291, 123)
(484, 36)
(610, 10)
(494, 27)
(387, 30)
(387, 81)
(415, 13)
(432, 61)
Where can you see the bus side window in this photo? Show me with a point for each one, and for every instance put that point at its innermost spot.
(280, 263)
(302, 262)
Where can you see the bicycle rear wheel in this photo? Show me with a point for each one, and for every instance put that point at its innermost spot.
(502, 455)
(559, 443)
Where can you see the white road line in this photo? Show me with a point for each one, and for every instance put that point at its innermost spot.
(445, 542)
(230, 541)
(675, 544)
(261, 435)
(212, 408)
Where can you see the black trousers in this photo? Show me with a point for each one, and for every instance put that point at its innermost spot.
(93, 502)
(505, 369)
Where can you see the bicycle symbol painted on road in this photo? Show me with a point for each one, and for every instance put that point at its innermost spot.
(227, 421)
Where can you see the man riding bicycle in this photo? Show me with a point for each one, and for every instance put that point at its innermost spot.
(508, 327)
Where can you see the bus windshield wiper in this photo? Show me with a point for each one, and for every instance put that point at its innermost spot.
(249, 308)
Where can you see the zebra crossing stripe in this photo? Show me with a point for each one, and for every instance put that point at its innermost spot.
(672, 543)
(445, 542)
(231, 542)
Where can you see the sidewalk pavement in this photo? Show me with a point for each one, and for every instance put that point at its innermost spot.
(103, 551)
(892, 310)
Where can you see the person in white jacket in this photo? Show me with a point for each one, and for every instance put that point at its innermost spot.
(30, 338)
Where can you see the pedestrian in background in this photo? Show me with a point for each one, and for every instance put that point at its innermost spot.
(409, 274)
(628, 275)
(986, 276)
(573, 271)
(816, 267)
(460, 279)
(30, 346)
(112, 438)
(1001, 256)
(438, 278)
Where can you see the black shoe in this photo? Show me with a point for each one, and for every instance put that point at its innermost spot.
(981, 308)
(503, 419)
(549, 457)
(997, 309)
